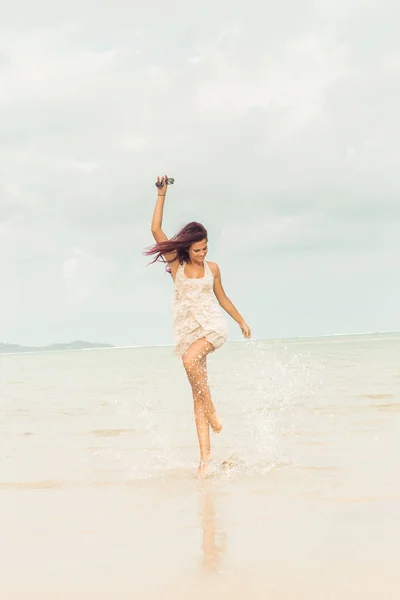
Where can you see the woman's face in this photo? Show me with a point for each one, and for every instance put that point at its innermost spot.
(198, 251)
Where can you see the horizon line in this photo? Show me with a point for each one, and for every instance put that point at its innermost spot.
(127, 347)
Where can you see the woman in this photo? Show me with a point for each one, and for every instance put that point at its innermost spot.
(199, 326)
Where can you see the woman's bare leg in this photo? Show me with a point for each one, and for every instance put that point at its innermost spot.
(211, 413)
(195, 365)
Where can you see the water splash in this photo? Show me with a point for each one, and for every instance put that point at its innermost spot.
(272, 381)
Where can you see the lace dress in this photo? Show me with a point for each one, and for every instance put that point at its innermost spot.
(195, 311)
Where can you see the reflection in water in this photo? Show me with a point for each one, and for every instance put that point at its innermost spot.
(214, 540)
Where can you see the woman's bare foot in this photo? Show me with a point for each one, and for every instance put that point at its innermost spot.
(215, 422)
(202, 468)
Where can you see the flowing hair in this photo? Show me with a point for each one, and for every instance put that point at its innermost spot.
(179, 244)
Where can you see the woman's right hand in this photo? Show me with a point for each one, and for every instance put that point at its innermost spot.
(245, 330)
(162, 185)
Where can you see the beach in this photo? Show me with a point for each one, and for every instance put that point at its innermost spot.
(98, 490)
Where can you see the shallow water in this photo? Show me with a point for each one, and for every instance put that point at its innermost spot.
(97, 488)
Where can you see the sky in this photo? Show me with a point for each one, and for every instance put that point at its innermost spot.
(279, 122)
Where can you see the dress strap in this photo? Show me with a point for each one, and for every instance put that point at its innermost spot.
(207, 269)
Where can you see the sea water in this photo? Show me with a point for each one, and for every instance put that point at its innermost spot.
(98, 493)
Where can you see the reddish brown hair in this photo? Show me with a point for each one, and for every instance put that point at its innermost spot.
(179, 244)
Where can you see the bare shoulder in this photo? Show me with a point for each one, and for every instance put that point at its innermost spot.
(214, 268)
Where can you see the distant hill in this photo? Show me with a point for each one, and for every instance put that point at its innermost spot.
(16, 349)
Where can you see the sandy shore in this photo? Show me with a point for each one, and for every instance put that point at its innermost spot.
(298, 531)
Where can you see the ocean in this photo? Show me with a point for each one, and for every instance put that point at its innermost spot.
(98, 490)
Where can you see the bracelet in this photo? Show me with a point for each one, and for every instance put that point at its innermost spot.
(160, 194)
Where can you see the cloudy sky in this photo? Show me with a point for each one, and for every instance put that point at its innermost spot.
(280, 123)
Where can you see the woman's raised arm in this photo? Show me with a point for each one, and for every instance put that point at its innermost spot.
(168, 253)
(156, 223)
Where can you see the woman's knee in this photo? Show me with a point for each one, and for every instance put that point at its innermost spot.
(197, 351)
(192, 361)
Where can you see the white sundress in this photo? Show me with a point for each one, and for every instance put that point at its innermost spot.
(195, 311)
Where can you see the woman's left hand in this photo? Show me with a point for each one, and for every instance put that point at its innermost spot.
(162, 186)
(245, 330)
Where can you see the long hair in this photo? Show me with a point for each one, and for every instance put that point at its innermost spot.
(179, 244)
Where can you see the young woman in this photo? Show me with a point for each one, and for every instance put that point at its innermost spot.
(199, 325)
